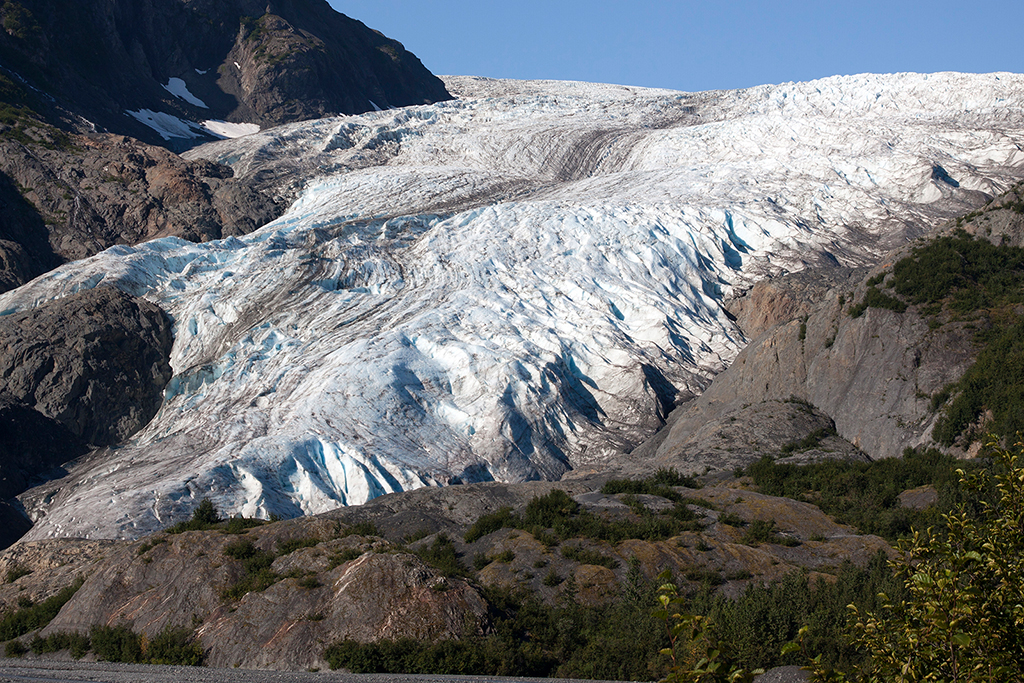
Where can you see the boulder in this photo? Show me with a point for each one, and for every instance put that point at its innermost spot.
(95, 362)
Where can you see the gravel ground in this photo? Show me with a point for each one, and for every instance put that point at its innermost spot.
(106, 672)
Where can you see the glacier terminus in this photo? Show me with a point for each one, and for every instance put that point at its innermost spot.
(516, 284)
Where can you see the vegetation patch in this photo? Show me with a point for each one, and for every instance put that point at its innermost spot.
(441, 555)
(289, 547)
(16, 572)
(362, 529)
(204, 517)
(31, 616)
(171, 646)
(866, 495)
(256, 563)
(623, 640)
(557, 517)
(763, 531)
(993, 384)
(342, 556)
(812, 440)
(578, 553)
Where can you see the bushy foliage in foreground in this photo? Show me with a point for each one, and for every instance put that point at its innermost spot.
(961, 617)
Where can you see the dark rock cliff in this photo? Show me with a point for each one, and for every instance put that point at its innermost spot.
(87, 370)
(72, 181)
(96, 362)
(257, 61)
(59, 205)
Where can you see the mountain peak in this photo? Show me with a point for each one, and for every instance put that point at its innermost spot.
(127, 65)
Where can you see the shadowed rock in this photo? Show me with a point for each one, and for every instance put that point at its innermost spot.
(95, 362)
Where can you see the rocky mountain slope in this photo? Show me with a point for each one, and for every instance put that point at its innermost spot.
(132, 67)
(87, 89)
(515, 285)
(870, 378)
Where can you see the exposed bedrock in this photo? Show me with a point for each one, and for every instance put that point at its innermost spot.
(96, 362)
(870, 378)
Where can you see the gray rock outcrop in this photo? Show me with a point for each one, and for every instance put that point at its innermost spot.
(871, 376)
(96, 362)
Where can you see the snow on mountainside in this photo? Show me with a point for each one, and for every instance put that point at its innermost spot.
(510, 285)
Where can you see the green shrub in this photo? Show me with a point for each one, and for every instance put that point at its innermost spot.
(556, 516)
(343, 556)
(289, 547)
(491, 522)
(703, 575)
(527, 638)
(865, 495)
(239, 525)
(731, 518)
(812, 440)
(360, 529)
(256, 562)
(994, 382)
(552, 578)
(176, 646)
(204, 517)
(760, 531)
(116, 644)
(505, 557)
(74, 642)
(578, 553)
(309, 582)
(956, 613)
(16, 572)
(32, 617)
(874, 298)
(441, 555)
(14, 648)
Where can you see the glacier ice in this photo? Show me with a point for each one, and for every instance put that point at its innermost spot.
(510, 285)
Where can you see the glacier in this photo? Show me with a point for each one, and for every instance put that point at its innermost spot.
(516, 284)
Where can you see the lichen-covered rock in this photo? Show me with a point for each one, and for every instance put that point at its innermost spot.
(96, 362)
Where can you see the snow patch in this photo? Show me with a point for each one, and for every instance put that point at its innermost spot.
(166, 125)
(226, 129)
(179, 89)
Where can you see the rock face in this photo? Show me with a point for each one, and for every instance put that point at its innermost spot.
(180, 583)
(151, 70)
(873, 375)
(65, 204)
(30, 445)
(251, 61)
(96, 362)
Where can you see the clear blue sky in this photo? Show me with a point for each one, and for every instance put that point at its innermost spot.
(703, 45)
